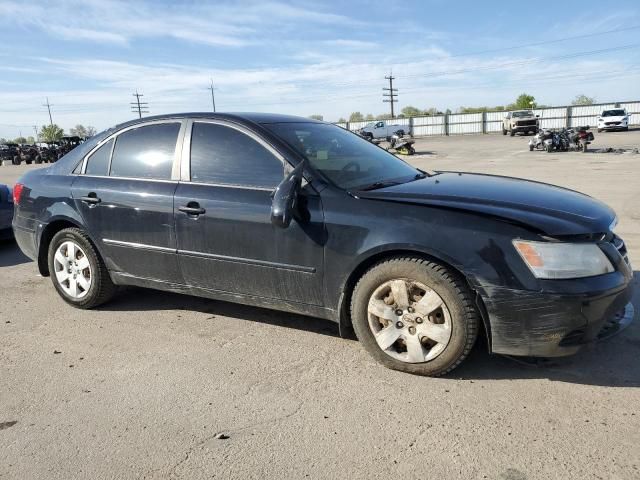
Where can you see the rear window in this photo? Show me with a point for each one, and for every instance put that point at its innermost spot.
(145, 152)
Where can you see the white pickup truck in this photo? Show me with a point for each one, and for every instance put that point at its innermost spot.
(382, 129)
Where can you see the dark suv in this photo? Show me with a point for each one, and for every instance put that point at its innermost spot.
(303, 216)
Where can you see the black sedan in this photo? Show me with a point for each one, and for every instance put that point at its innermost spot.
(302, 216)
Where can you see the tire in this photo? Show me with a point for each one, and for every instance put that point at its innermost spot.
(38, 160)
(17, 161)
(625, 129)
(549, 149)
(599, 130)
(530, 147)
(584, 148)
(504, 132)
(511, 133)
(457, 308)
(100, 289)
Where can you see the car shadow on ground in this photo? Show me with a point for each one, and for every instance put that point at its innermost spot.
(611, 363)
(10, 254)
(140, 299)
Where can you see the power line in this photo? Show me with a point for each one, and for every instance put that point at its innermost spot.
(391, 96)
(138, 106)
(48, 105)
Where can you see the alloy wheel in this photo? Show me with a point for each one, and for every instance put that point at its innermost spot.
(72, 269)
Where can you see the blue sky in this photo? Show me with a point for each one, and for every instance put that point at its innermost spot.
(305, 57)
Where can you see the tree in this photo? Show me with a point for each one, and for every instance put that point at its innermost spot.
(432, 111)
(356, 117)
(410, 111)
(369, 117)
(31, 140)
(316, 117)
(3, 141)
(383, 116)
(523, 102)
(582, 99)
(51, 133)
(20, 140)
(342, 120)
(82, 131)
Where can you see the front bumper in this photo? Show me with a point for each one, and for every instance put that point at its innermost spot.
(613, 125)
(561, 317)
(537, 325)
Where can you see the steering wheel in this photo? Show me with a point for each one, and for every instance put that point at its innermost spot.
(351, 164)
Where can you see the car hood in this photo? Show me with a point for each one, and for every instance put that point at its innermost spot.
(547, 208)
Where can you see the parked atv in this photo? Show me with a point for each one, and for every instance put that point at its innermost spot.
(28, 154)
(404, 146)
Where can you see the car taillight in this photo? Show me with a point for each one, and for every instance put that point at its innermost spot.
(17, 193)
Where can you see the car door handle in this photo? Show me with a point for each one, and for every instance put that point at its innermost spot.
(192, 208)
(92, 198)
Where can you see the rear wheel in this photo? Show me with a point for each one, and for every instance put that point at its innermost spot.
(512, 132)
(531, 147)
(77, 271)
(16, 160)
(415, 316)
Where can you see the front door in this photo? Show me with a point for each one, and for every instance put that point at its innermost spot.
(226, 241)
(125, 196)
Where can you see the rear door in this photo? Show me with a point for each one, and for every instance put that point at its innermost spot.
(125, 195)
(226, 241)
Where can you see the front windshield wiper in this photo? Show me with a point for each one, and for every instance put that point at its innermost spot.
(376, 185)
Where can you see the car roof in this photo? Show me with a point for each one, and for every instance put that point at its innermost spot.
(242, 117)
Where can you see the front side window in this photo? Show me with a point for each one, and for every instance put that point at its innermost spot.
(346, 159)
(98, 162)
(145, 152)
(224, 155)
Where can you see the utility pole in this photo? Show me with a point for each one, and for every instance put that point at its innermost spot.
(48, 105)
(138, 106)
(391, 96)
(35, 129)
(213, 97)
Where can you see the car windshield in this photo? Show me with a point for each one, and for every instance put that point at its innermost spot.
(528, 113)
(346, 159)
(613, 113)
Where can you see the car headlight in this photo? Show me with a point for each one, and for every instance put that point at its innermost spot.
(563, 260)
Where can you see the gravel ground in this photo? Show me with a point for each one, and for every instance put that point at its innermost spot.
(142, 387)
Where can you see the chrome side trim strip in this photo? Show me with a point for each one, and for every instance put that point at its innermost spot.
(139, 246)
(248, 261)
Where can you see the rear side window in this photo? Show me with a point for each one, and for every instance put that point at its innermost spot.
(224, 155)
(145, 152)
(98, 162)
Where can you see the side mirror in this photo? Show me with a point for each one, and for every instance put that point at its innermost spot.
(285, 198)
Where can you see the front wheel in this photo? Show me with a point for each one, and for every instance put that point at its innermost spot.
(504, 131)
(531, 147)
(77, 271)
(512, 132)
(415, 316)
(584, 148)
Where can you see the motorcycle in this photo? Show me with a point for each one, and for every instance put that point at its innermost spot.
(403, 146)
(541, 140)
(580, 138)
